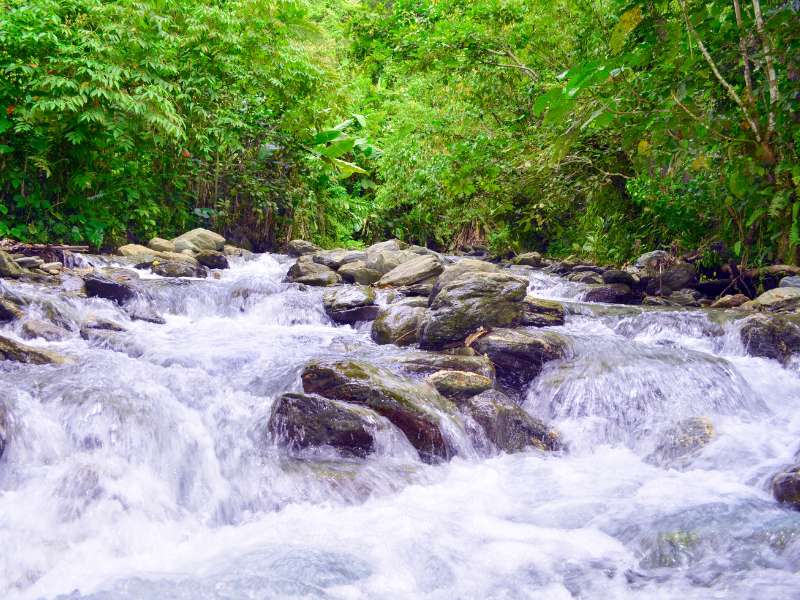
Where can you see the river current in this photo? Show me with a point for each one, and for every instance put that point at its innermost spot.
(142, 470)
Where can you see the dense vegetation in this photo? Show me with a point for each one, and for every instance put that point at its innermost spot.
(595, 127)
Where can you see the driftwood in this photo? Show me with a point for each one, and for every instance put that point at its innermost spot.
(62, 253)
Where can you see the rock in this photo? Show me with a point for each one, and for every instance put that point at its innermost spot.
(34, 328)
(177, 268)
(301, 248)
(52, 267)
(389, 245)
(509, 427)
(541, 313)
(161, 245)
(333, 259)
(199, 239)
(397, 324)
(9, 311)
(350, 304)
(117, 286)
(529, 259)
(730, 301)
(415, 408)
(301, 421)
(680, 441)
(685, 297)
(357, 272)
(589, 277)
(771, 336)
(9, 268)
(519, 354)
(230, 250)
(425, 363)
(308, 272)
(421, 289)
(29, 262)
(3, 429)
(793, 281)
(586, 268)
(654, 260)
(456, 270)
(786, 487)
(469, 302)
(385, 261)
(612, 293)
(146, 314)
(412, 271)
(112, 340)
(17, 352)
(676, 277)
(459, 384)
(776, 300)
(212, 259)
(618, 276)
(137, 251)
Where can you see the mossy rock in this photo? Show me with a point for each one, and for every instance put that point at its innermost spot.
(459, 385)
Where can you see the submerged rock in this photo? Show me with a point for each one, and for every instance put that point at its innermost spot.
(771, 336)
(301, 421)
(542, 313)
(508, 426)
(519, 354)
(301, 248)
(117, 286)
(397, 324)
(412, 271)
(679, 442)
(414, 407)
(459, 384)
(34, 328)
(786, 487)
(357, 272)
(309, 272)
(350, 304)
(17, 352)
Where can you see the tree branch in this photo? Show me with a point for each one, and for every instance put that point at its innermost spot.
(772, 78)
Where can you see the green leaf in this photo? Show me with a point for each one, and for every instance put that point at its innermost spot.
(346, 169)
(627, 23)
(338, 148)
(323, 137)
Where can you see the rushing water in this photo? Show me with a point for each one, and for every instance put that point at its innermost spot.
(142, 471)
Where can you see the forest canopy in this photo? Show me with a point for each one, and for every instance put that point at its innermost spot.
(599, 128)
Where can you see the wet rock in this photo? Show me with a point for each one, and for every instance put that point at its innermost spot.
(301, 248)
(301, 421)
(117, 286)
(612, 293)
(199, 239)
(385, 261)
(3, 429)
(308, 272)
(519, 354)
(685, 297)
(397, 324)
(420, 289)
(456, 270)
(792, 281)
(529, 259)
(137, 251)
(459, 384)
(542, 313)
(776, 300)
(771, 336)
(34, 328)
(675, 277)
(146, 314)
(177, 268)
(619, 276)
(212, 259)
(52, 268)
(17, 352)
(230, 250)
(682, 440)
(9, 311)
(508, 426)
(654, 260)
(112, 340)
(333, 259)
(161, 245)
(350, 304)
(469, 302)
(713, 287)
(9, 268)
(730, 301)
(412, 271)
(786, 487)
(357, 272)
(29, 262)
(415, 408)
(425, 363)
(589, 277)
(393, 245)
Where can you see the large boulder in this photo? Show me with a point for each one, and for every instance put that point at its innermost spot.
(301, 248)
(425, 363)
(17, 352)
(333, 259)
(676, 277)
(507, 426)
(786, 487)
(358, 272)
(309, 272)
(397, 324)
(386, 260)
(771, 336)
(199, 239)
(137, 251)
(612, 293)
(457, 269)
(350, 304)
(792, 281)
(9, 268)
(389, 245)
(212, 259)
(519, 354)
(619, 276)
(161, 245)
(459, 385)
(654, 261)
(413, 271)
(681, 441)
(542, 313)
(588, 277)
(117, 285)
(529, 259)
(177, 268)
(301, 421)
(469, 302)
(416, 408)
(776, 300)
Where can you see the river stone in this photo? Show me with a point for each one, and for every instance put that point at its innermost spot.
(116, 285)
(29, 262)
(177, 268)
(9, 311)
(508, 426)
(212, 259)
(199, 239)
(17, 352)
(231, 250)
(611, 293)
(469, 302)
(459, 385)
(3, 428)
(676, 277)
(619, 276)
(397, 324)
(414, 407)
(34, 328)
(333, 259)
(161, 245)
(529, 259)
(301, 248)
(412, 271)
(9, 268)
(519, 354)
(357, 272)
(301, 421)
(589, 277)
(542, 313)
(786, 487)
(350, 304)
(654, 260)
(730, 301)
(775, 299)
(421, 289)
(389, 245)
(771, 336)
(306, 271)
(679, 442)
(793, 281)
(456, 270)
(425, 363)
(385, 261)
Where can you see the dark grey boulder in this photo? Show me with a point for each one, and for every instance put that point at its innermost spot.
(519, 354)
(612, 293)
(619, 276)
(786, 487)
(350, 304)
(397, 324)
(358, 272)
(212, 259)
(9, 311)
(3, 429)
(459, 268)
(589, 277)
(541, 313)
(425, 363)
(771, 336)
(308, 272)
(177, 268)
(118, 286)
(301, 248)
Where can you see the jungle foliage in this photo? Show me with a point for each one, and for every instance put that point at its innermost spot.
(593, 127)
